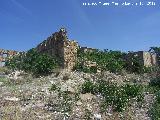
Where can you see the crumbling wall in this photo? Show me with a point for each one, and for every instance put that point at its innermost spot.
(146, 58)
(70, 54)
(86, 49)
(150, 59)
(58, 45)
(154, 59)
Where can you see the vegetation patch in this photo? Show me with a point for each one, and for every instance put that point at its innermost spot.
(108, 60)
(33, 62)
(116, 96)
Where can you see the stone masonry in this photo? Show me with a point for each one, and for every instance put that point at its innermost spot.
(146, 58)
(150, 59)
(58, 45)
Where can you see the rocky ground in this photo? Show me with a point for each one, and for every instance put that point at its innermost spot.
(57, 97)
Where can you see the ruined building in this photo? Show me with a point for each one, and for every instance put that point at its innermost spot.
(146, 58)
(149, 59)
(86, 49)
(60, 46)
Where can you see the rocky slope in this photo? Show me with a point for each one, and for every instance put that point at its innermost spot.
(58, 97)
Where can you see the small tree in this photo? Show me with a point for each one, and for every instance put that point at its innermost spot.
(33, 62)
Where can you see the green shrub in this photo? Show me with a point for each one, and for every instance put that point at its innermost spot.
(113, 61)
(117, 96)
(15, 63)
(152, 89)
(106, 60)
(132, 90)
(66, 103)
(53, 87)
(102, 87)
(34, 62)
(120, 102)
(88, 87)
(44, 64)
(155, 82)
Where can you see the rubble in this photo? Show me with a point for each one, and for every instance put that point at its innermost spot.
(11, 99)
(35, 100)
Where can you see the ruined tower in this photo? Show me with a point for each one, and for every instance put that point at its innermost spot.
(60, 46)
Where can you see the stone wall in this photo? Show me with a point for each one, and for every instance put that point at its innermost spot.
(147, 59)
(150, 59)
(58, 45)
(86, 49)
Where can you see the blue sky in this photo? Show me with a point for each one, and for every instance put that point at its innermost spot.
(25, 23)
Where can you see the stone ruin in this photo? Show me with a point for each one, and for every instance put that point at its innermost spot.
(87, 49)
(146, 58)
(4, 54)
(58, 45)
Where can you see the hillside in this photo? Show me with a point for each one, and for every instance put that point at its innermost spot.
(61, 96)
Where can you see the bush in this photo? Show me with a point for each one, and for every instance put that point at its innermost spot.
(14, 63)
(117, 96)
(154, 85)
(88, 87)
(113, 61)
(44, 65)
(34, 62)
(120, 102)
(158, 97)
(106, 60)
(53, 87)
(132, 90)
(155, 82)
